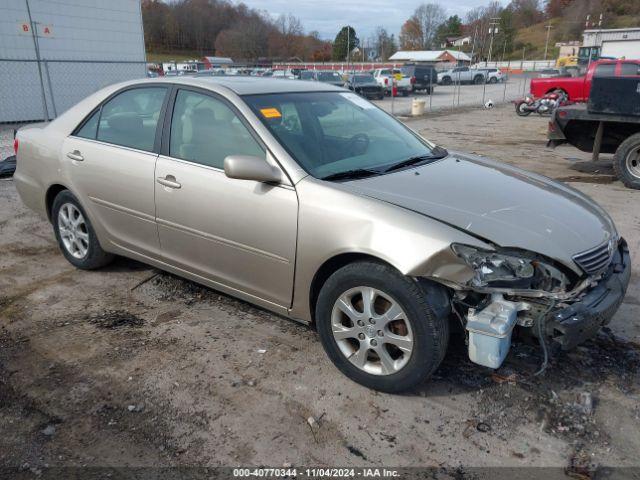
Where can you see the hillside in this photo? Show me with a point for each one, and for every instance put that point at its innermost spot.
(533, 38)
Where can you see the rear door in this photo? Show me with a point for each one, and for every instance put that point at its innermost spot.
(111, 158)
(238, 234)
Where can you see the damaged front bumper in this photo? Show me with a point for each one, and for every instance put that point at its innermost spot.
(567, 320)
(581, 320)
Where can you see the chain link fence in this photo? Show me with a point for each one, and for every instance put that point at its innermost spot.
(461, 95)
(36, 91)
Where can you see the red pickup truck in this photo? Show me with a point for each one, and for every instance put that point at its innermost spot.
(578, 88)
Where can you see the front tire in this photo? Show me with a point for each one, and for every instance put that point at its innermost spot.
(75, 234)
(493, 80)
(382, 329)
(521, 109)
(626, 162)
(478, 79)
(446, 81)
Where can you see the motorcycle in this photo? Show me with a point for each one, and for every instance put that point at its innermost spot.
(542, 106)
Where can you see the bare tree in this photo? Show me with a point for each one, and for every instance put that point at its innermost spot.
(428, 16)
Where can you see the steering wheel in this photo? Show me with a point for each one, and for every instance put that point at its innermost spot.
(358, 144)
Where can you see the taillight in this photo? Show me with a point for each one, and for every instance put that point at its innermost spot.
(15, 146)
(386, 81)
(413, 80)
(562, 113)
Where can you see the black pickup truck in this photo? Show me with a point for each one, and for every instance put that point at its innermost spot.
(609, 123)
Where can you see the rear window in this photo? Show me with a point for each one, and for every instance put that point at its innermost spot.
(363, 79)
(605, 70)
(632, 69)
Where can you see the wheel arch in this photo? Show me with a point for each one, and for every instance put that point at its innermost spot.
(557, 89)
(50, 195)
(332, 265)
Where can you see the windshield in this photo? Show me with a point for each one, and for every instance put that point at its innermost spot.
(328, 77)
(335, 132)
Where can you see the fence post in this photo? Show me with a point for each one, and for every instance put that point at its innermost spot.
(36, 46)
(504, 93)
(53, 100)
(484, 89)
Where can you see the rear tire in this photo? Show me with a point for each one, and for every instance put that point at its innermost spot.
(520, 109)
(478, 79)
(75, 234)
(626, 162)
(421, 326)
(446, 81)
(493, 80)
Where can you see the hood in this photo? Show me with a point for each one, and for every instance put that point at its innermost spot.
(496, 202)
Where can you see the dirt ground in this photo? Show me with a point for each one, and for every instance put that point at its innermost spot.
(128, 366)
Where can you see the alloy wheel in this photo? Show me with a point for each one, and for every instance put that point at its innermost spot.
(73, 230)
(372, 330)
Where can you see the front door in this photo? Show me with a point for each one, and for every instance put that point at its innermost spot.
(238, 234)
(111, 162)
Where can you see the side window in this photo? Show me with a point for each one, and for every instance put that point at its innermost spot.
(206, 131)
(605, 70)
(630, 69)
(90, 128)
(131, 118)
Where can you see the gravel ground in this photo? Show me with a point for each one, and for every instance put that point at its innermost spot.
(128, 366)
(6, 142)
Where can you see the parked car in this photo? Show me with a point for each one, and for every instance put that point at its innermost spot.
(422, 77)
(329, 76)
(549, 73)
(386, 77)
(284, 74)
(365, 85)
(494, 75)
(461, 75)
(307, 75)
(578, 88)
(311, 202)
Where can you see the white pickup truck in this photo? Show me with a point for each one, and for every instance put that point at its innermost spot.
(462, 75)
(386, 76)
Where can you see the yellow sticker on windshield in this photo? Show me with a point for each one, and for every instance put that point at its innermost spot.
(270, 113)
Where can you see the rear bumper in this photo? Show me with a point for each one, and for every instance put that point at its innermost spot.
(580, 321)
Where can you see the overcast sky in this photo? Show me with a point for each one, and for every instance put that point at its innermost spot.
(326, 16)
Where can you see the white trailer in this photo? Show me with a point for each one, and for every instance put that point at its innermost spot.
(53, 54)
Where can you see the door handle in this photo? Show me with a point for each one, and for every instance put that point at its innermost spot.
(75, 155)
(169, 181)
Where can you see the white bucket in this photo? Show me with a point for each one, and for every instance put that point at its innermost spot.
(417, 107)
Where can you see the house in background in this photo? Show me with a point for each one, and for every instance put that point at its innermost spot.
(456, 42)
(216, 62)
(440, 59)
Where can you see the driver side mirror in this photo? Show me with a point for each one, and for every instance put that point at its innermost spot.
(247, 167)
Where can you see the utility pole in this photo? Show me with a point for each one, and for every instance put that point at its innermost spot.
(493, 29)
(473, 46)
(546, 45)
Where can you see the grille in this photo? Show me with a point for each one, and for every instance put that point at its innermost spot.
(597, 259)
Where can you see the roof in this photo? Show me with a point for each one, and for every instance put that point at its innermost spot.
(219, 60)
(428, 55)
(251, 85)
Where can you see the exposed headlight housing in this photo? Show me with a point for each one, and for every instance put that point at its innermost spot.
(507, 269)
